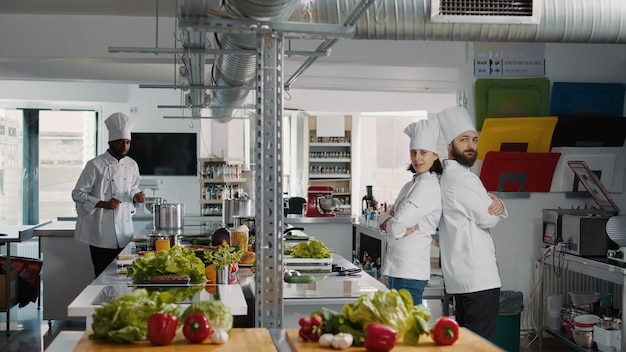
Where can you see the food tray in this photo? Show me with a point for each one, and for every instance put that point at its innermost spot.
(308, 264)
(170, 280)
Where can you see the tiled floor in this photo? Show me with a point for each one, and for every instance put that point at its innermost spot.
(29, 333)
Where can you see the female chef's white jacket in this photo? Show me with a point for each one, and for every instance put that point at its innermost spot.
(418, 203)
(102, 178)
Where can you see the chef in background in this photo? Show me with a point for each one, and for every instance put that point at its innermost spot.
(415, 214)
(104, 195)
(468, 253)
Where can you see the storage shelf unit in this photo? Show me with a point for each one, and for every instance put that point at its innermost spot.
(601, 273)
(330, 163)
(221, 179)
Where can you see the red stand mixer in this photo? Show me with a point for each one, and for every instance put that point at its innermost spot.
(321, 202)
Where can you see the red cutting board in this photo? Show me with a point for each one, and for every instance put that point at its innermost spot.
(257, 339)
(467, 342)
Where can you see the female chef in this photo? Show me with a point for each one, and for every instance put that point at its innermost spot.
(413, 218)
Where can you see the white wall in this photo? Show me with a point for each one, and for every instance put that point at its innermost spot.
(518, 238)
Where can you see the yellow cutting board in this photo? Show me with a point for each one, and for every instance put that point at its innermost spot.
(257, 339)
(467, 342)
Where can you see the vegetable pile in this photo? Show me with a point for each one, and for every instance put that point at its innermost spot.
(125, 318)
(311, 249)
(141, 315)
(392, 309)
(177, 261)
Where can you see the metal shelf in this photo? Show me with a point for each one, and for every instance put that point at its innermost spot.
(328, 160)
(599, 268)
(320, 144)
(223, 180)
(330, 176)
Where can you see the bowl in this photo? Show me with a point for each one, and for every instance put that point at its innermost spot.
(327, 204)
(583, 338)
(586, 322)
(580, 298)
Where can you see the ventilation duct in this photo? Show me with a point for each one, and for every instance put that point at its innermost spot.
(568, 21)
(485, 11)
(238, 70)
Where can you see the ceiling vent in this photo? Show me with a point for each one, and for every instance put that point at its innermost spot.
(486, 11)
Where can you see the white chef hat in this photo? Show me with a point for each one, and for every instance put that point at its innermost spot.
(454, 121)
(119, 126)
(423, 134)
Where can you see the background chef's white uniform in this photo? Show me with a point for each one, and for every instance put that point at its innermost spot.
(418, 203)
(103, 178)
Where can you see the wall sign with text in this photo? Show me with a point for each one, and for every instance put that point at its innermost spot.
(509, 60)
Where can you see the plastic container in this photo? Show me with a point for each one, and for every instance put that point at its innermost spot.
(583, 297)
(239, 237)
(554, 305)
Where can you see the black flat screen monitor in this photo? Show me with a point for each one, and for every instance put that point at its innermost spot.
(164, 154)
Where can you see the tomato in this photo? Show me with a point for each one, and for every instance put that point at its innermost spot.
(445, 331)
(196, 327)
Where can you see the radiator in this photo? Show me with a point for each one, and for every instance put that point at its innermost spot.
(28, 249)
(558, 280)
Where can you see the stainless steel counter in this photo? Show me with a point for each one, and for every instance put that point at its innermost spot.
(293, 219)
(329, 290)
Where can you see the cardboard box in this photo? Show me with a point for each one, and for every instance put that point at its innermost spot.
(12, 289)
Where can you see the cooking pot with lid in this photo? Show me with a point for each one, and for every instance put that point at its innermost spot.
(234, 208)
(169, 215)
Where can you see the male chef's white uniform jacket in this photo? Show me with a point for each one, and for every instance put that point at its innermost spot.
(418, 203)
(103, 178)
(468, 253)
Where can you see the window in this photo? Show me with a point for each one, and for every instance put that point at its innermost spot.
(11, 140)
(384, 155)
(67, 140)
(42, 153)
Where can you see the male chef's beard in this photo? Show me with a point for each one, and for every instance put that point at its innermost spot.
(463, 159)
(116, 154)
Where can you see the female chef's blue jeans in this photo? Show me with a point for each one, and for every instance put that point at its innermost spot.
(415, 287)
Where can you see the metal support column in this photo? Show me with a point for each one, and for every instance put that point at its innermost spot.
(268, 181)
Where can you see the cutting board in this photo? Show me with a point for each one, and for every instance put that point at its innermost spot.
(257, 339)
(467, 342)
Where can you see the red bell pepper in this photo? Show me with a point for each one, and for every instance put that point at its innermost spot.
(196, 327)
(162, 328)
(379, 337)
(445, 331)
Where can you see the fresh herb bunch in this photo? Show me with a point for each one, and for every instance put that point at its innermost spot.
(223, 256)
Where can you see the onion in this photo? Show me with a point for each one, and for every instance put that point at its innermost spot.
(220, 235)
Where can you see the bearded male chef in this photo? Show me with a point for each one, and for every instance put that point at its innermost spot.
(104, 196)
(468, 253)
